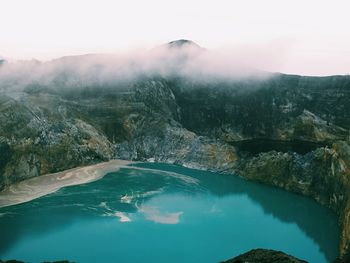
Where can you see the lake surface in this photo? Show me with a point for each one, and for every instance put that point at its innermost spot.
(166, 213)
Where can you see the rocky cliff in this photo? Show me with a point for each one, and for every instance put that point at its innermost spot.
(284, 130)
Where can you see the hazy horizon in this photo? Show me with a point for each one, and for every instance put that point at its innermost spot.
(296, 37)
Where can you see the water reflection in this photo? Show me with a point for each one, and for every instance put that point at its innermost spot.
(318, 223)
(134, 191)
(154, 214)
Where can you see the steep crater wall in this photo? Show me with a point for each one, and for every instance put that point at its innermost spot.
(288, 131)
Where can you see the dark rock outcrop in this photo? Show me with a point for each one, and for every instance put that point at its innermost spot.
(264, 256)
(343, 259)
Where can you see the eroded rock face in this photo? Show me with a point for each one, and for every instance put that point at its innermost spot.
(264, 256)
(37, 139)
(322, 174)
(202, 124)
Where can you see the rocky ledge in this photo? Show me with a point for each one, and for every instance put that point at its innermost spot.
(272, 256)
(264, 256)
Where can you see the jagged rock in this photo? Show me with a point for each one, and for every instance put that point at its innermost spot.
(264, 256)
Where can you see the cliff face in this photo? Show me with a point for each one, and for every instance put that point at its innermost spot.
(322, 174)
(287, 131)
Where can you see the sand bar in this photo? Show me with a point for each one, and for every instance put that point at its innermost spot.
(33, 188)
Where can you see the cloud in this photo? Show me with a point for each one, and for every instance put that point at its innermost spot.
(182, 59)
(153, 213)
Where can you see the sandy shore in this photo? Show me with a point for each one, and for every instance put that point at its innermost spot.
(33, 188)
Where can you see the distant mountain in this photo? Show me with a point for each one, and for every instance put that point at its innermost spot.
(182, 43)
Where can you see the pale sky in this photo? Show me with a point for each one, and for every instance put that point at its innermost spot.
(310, 37)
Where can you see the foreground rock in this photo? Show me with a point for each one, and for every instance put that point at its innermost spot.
(264, 256)
(343, 259)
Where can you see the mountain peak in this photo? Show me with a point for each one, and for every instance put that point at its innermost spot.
(181, 43)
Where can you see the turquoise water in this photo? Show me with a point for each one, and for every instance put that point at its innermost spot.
(166, 213)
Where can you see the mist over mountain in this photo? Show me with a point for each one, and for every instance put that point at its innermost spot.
(181, 58)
